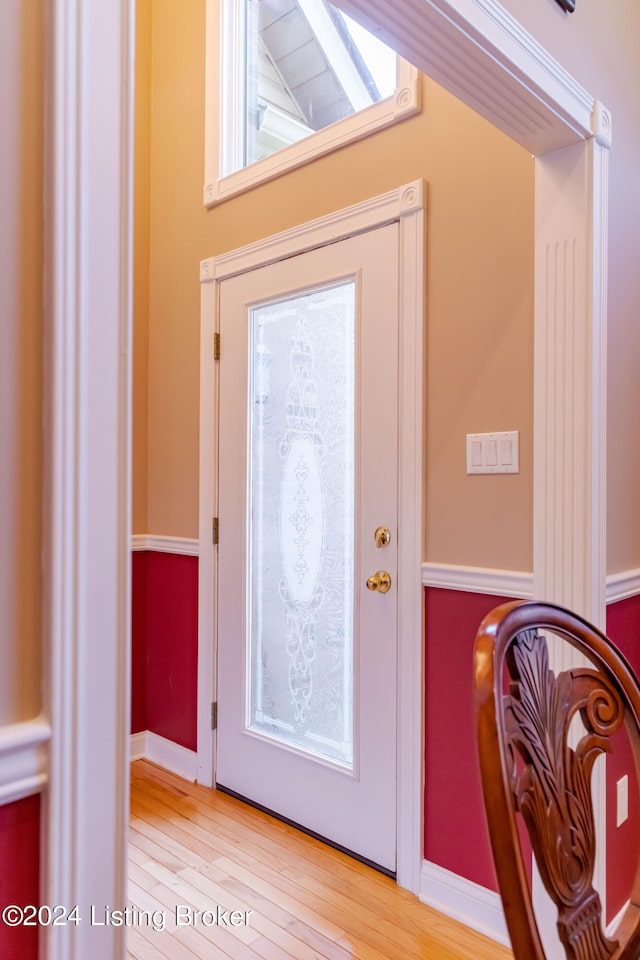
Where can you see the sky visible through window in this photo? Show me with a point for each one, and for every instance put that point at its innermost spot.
(379, 58)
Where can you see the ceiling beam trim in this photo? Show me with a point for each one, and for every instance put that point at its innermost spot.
(481, 54)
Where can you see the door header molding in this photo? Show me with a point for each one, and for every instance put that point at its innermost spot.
(485, 57)
(358, 218)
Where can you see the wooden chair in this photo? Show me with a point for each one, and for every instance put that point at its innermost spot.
(528, 768)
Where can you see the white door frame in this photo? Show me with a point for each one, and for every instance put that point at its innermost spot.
(87, 417)
(405, 205)
(476, 50)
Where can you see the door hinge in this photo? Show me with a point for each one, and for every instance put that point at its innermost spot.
(214, 530)
(216, 346)
(214, 716)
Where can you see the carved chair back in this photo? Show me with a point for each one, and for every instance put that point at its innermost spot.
(530, 768)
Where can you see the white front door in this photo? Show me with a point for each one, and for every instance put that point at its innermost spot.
(308, 434)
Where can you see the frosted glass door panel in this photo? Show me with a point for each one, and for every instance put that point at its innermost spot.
(301, 522)
(308, 438)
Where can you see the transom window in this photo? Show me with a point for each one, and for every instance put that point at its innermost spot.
(288, 80)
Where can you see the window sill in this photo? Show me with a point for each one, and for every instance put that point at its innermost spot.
(403, 104)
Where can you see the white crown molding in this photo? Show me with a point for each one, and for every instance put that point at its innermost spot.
(185, 546)
(499, 583)
(621, 586)
(167, 754)
(23, 759)
(464, 900)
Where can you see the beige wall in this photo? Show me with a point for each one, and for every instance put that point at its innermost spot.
(479, 299)
(21, 259)
(598, 44)
(142, 194)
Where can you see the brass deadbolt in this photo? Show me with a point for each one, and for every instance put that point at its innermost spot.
(382, 537)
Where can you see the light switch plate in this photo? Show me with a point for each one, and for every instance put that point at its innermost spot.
(622, 790)
(493, 452)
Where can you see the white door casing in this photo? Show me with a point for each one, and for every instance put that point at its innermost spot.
(87, 420)
(406, 207)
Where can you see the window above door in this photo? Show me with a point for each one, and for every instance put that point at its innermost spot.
(289, 80)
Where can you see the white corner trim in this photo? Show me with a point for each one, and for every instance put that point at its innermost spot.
(167, 754)
(23, 759)
(601, 124)
(463, 900)
(499, 583)
(138, 746)
(184, 546)
(621, 586)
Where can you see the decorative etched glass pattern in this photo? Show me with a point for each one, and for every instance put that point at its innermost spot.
(301, 521)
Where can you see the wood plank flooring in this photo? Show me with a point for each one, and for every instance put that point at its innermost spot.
(210, 878)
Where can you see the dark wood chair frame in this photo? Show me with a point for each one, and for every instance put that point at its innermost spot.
(528, 768)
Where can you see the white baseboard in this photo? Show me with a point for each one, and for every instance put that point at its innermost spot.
(166, 753)
(185, 546)
(23, 759)
(613, 926)
(464, 900)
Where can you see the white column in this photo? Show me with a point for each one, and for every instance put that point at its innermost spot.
(570, 413)
(570, 375)
(87, 431)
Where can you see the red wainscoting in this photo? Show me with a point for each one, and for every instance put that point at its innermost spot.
(139, 641)
(455, 835)
(165, 646)
(164, 701)
(19, 873)
(623, 842)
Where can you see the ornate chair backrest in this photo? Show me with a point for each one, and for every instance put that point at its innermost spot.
(529, 768)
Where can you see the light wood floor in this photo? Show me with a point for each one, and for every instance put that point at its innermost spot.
(294, 898)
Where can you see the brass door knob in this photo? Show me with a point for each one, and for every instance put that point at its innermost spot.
(380, 581)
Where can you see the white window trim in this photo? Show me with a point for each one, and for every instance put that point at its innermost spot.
(222, 53)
